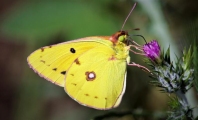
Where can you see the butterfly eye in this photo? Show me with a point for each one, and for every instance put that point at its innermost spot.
(122, 38)
(72, 50)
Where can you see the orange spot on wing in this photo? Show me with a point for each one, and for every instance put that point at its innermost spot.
(112, 58)
(42, 49)
(77, 61)
(96, 97)
(74, 84)
(105, 37)
(101, 37)
(43, 61)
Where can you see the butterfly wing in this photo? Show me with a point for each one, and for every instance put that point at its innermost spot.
(52, 62)
(97, 79)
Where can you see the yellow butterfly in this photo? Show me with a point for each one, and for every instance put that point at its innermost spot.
(92, 70)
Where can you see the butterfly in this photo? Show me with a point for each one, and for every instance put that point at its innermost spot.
(92, 70)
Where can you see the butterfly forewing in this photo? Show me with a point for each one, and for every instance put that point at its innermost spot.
(52, 62)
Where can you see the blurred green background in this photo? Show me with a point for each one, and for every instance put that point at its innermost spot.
(26, 25)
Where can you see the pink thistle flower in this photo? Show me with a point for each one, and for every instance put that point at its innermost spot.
(152, 50)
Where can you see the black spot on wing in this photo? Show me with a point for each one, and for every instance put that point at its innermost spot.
(63, 72)
(54, 69)
(72, 50)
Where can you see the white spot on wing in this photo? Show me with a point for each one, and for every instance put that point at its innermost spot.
(91, 75)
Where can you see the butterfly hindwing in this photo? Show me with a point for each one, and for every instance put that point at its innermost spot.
(97, 81)
(52, 62)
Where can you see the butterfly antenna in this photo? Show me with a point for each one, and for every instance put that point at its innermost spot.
(141, 37)
(128, 16)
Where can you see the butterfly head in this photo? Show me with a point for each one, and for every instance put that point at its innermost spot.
(120, 36)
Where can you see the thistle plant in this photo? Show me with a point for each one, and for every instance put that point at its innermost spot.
(171, 77)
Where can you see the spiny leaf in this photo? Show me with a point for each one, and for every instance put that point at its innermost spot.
(167, 55)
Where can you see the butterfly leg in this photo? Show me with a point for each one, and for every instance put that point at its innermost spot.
(137, 47)
(136, 52)
(139, 66)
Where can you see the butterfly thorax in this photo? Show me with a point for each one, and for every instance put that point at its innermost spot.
(119, 40)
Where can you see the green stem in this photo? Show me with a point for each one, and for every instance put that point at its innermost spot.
(185, 105)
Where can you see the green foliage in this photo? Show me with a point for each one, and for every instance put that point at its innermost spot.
(173, 103)
(178, 109)
(166, 56)
(187, 57)
(195, 50)
(43, 20)
(190, 34)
